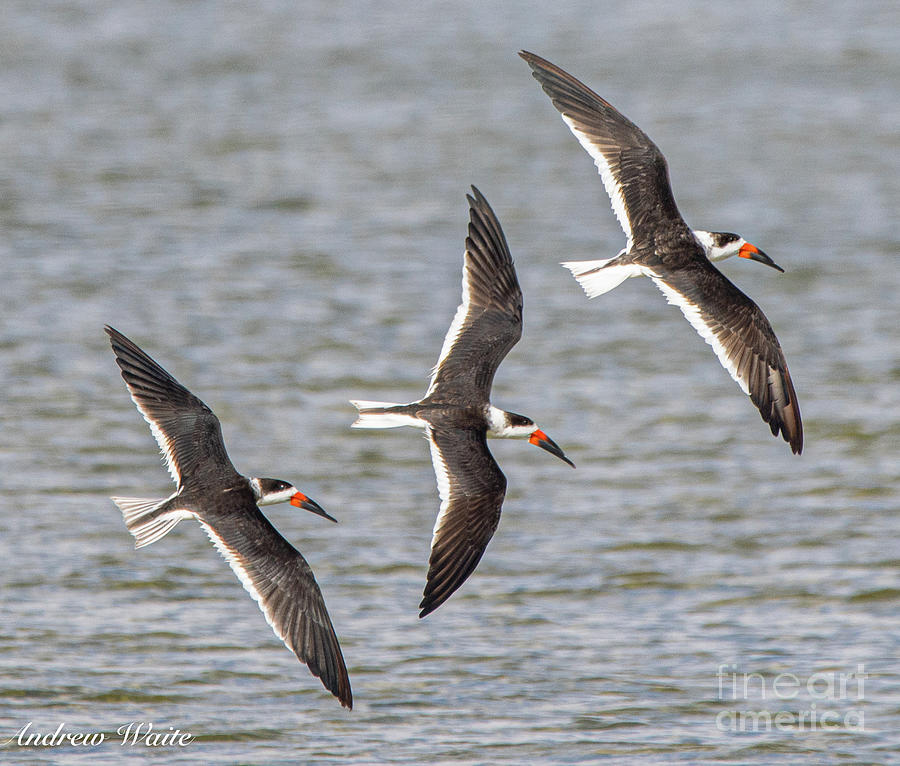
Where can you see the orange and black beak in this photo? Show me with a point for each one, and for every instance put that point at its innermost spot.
(755, 254)
(540, 439)
(300, 500)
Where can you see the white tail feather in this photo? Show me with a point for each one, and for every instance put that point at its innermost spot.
(377, 418)
(147, 528)
(362, 404)
(597, 277)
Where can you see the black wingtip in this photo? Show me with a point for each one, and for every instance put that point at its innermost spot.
(438, 596)
(447, 571)
(779, 409)
(787, 416)
(345, 696)
(786, 422)
(340, 687)
(121, 342)
(477, 200)
(112, 332)
(430, 601)
(795, 439)
(536, 62)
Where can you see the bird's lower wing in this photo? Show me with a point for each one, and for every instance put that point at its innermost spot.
(472, 487)
(744, 342)
(278, 578)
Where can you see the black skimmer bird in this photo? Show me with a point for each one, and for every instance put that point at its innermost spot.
(660, 245)
(226, 505)
(456, 412)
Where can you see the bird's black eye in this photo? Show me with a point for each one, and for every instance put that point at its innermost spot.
(519, 420)
(726, 238)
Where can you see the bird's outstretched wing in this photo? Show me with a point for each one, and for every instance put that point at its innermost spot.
(187, 431)
(488, 322)
(633, 169)
(279, 579)
(471, 487)
(742, 339)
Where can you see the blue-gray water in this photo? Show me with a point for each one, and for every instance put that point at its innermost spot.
(269, 197)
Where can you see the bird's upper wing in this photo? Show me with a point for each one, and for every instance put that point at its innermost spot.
(632, 168)
(278, 578)
(488, 322)
(187, 431)
(743, 340)
(471, 487)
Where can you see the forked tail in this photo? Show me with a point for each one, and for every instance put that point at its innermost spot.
(148, 520)
(598, 277)
(382, 415)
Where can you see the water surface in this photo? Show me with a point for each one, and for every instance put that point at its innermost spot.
(270, 200)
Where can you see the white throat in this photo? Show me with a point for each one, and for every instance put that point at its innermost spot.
(706, 242)
(277, 497)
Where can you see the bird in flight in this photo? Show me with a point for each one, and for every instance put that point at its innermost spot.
(210, 490)
(661, 246)
(456, 411)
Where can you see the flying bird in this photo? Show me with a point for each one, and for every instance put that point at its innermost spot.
(456, 411)
(660, 245)
(210, 490)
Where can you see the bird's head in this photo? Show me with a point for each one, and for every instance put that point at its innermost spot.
(720, 245)
(510, 425)
(271, 491)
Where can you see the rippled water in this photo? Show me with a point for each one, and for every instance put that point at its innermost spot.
(270, 199)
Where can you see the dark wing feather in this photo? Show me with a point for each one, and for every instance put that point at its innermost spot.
(279, 579)
(633, 169)
(472, 487)
(187, 431)
(488, 323)
(743, 340)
